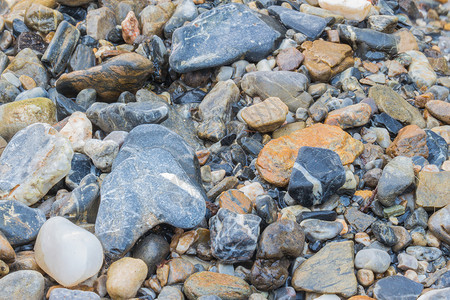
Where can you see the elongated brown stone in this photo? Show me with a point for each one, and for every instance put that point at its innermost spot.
(125, 72)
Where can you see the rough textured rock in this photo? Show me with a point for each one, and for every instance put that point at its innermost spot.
(125, 277)
(325, 59)
(397, 288)
(287, 86)
(317, 174)
(99, 22)
(439, 224)
(28, 176)
(410, 141)
(351, 116)
(22, 285)
(289, 59)
(267, 115)
(226, 41)
(125, 72)
(359, 220)
(17, 115)
(433, 190)
(329, 271)
(269, 274)
(157, 160)
(233, 236)
(186, 11)
(277, 158)
(225, 286)
(68, 253)
(19, 223)
(395, 106)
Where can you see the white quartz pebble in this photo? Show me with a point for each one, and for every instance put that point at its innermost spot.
(349, 9)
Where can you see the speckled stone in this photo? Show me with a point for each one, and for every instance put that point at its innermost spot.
(63, 294)
(22, 285)
(321, 230)
(233, 236)
(27, 63)
(439, 224)
(267, 115)
(433, 190)
(375, 260)
(397, 288)
(410, 141)
(43, 19)
(269, 274)
(350, 116)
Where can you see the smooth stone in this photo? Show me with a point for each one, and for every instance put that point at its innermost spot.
(86, 98)
(43, 19)
(125, 72)
(276, 160)
(420, 70)
(267, 115)
(433, 189)
(154, 17)
(27, 63)
(99, 22)
(7, 253)
(28, 176)
(319, 230)
(289, 59)
(285, 85)
(36, 92)
(226, 40)
(82, 58)
(77, 130)
(419, 217)
(437, 148)
(19, 223)
(439, 224)
(266, 208)
(125, 277)
(8, 92)
(439, 109)
(310, 25)
(233, 236)
(171, 293)
(375, 260)
(67, 252)
(158, 160)
(269, 274)
(406, 262)
(395, 106)
(152, 249)
(186, 11)
(81, 166)
(354, 10)
(317, 11)
(384, 233)
(424, 253)
(22, 285)
(439, 294)
(60, 48)
(397, 176)
(102, 153)
(397, 288)
(331, 270)
(375, 40)
(317, 174)
(284, 238)
(359, 220)
(62, 294)
(130, 28)
(350, 116)
(225, 286)
(125, 117)
(215, 110)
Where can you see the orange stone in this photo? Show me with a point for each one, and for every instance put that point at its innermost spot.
(276, 159)
(28, 83)
(361, 298)
(407, 41)
(410, 141)
(365, 194)
(370, 66)
(235, 201)
(203, 156)
(439, 109)
(421, 100)
(350, 116)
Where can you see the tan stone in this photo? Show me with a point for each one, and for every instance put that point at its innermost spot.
(125, 277)
(25, 260)
(439, 224)
(266, 116)
(350, 116)
(179, 270)
(410, 141)
(443, 131)
(7, 253)
(365, 277)
(3, 144)
(288, 129)
(28, 83)
(154, 17)
(439, 109)
(407, 41)
(276, 159)
(433, 189)
(235, 201)
(325, 59)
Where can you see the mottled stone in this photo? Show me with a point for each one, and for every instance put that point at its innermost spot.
(285, 85)
(19, 223)
(330, 270)
(77, 130)
(125, 277)
(269, 274)
(27, 63)
(186, 11)
(375, 260)
(125, 72)
(101, 152)
(267, 115)
(424, 253)
(437, 148)
(157, 160)
(179, 270)
(152, 249)
(420, 70)
(439, 109)
(433, 190)
(397, 288)
(397, 176)
(31, 40)
(22, 285)
(373, 39)
(8, 92)
(236, 201)
(350, 116)
(316, 175)
(233, 236)
(43, 19)
(215, 110)
(82, 58)
(395, 106)
(130, 28)
(153, 18)
(68, 253)
(231, 30)
(60, 48)
(284, 238)
(325, 59)
(125, 117)
(289, 59)
(225, 286)
(384, 233)
(410, 141)
(383, 23)
(320, 230)
(439, 224)
(359, 220)
(28, 176)
(276, 160)
(63, 294)
(99, 22)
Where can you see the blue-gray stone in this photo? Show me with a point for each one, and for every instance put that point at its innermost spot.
(81, 166)
(317, 174)
(33, 93)
(397, 288)
(310, 25)
(64, 106)
(437, 148)
(64, 294)
(154, 179)
(82, 58)
(186, 11)
(19, 223)
(222, 36)
(8, 92)
(375, 40)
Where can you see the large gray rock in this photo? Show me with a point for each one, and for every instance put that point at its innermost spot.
(288, 86)
(35, 159)
(222, 36)
(186, 11)
(22, 285)
(154, 179)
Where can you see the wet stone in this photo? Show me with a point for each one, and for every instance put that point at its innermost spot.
(268, 274)
(266, 208)
(317, 174)
(319, 230)
(397, 288)
(152, 249)
(384, 233)
(82, 58)
(359, 220)
(43, 19)
(31, 40)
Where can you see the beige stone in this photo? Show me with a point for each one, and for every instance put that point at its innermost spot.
(267, 115)
(125, 277)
